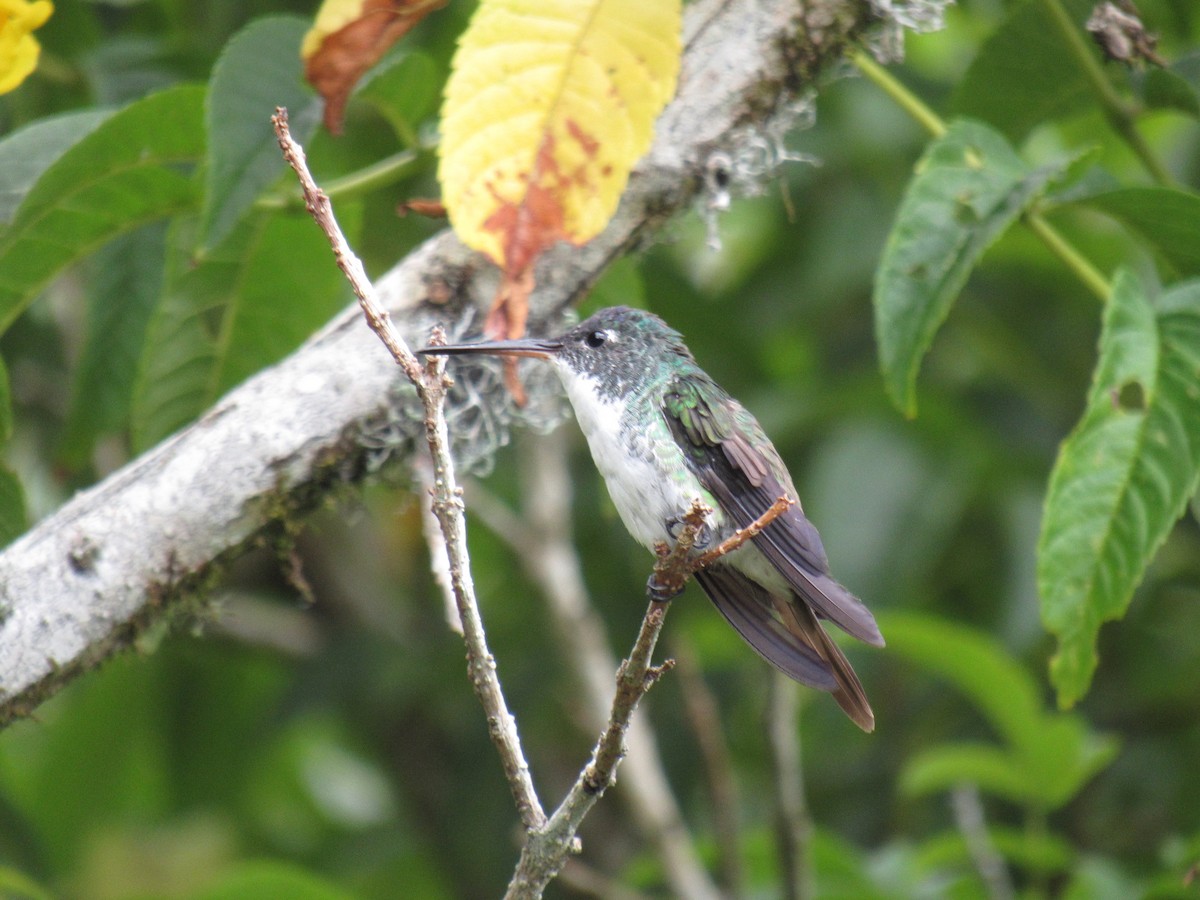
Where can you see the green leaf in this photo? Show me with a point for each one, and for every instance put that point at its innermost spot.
(124, 283)
(174, 376)
(1164, 89)
(13, 517)
(403, 88)
(1030, 849)
(1101, 878)
(6, 412)
(27, 153)
(1124, 475)
(1064, 757)
(969, 187)
(1024, 74)
(1176, 87)
(291, 286)
(1165, 218)
(270, 881)
(16, 885)
(118, 720)
(1049, 757)
(266, 288)
(259, 70)
(989, 767)
(1001, 689)
(126, 172)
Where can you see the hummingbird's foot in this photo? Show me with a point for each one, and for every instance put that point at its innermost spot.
(661, 590)
(702, 539)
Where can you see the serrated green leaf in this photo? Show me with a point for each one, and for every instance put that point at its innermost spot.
(969, 187)
(27, 153)
(1124, 475)
(13, 518)
(249, 302)
(290, 287)
(1024, 74)
(403, 88)
(1166, 218)
(124, 283)
(174, 375)
(123, 174)
(259, 70)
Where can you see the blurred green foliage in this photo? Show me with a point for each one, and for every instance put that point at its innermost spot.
(336, 750)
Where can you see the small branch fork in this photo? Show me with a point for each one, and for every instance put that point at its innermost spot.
(547, 850)
(677, 564)
(551, 840)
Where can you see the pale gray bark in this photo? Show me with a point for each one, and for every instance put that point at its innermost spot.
(84, 581)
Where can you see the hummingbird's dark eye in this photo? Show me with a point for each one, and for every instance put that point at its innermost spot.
(596, 339)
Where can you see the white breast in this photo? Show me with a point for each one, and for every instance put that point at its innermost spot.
(644, 498)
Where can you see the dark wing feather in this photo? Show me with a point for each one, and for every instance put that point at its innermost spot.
(794, 641)
(743, 482)
(748, 609)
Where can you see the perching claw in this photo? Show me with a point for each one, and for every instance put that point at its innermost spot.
(660, 590)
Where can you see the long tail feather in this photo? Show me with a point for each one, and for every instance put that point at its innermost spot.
(748, 608)
(849, 693)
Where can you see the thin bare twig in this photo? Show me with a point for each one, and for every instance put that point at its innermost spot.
(439, 562)
(547, 848)
(318, 205)
(546, 548)
(971, 822)
(430, 384)
(703, 714)
(793, 826)
(739, 537)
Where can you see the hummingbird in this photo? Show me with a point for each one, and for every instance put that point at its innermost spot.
(662, 433)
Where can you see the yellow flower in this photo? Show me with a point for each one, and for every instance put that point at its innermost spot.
(18, 48)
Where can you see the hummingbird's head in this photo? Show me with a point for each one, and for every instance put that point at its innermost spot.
(617, 349)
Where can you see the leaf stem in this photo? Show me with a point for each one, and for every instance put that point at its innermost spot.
(386, 171)
(1058, 245)
(1068, 255)
(904, 98)
(1120, 115)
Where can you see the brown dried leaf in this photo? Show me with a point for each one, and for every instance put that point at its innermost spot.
(350, 36)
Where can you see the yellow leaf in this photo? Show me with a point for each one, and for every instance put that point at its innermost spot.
(549, 105)
(19, 50)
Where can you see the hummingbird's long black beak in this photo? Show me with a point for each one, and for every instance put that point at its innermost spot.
(538, 348)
